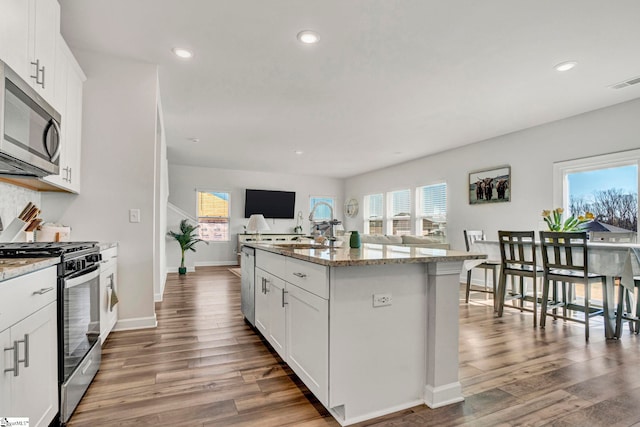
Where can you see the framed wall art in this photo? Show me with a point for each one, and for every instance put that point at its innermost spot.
(490, 186)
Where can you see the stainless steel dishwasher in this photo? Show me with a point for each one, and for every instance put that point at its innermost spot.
(247, 289)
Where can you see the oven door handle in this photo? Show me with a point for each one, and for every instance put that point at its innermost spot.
(84, 278)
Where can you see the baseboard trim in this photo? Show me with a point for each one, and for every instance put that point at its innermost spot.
(136, 323)
(436, 397)
(214, 263)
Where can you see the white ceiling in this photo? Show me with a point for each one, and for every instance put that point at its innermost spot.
(389, 80)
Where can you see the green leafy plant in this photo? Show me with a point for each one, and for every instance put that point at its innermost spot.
(555, 223)
(186, 238)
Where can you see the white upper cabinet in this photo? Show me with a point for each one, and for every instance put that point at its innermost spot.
(28, 34)
(44, 29)
(68, 101)
(14, 35)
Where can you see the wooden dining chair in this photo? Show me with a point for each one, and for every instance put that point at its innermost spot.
(565, 259)
(518, 260)
(471, 236)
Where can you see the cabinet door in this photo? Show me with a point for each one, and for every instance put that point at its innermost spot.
(6, 362)
(261, 302)
(68, 101)
(14, 36)
(308, 340)
(35, 390)
(277, 316)
(45, 28)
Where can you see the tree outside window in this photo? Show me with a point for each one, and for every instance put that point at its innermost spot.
(213, 215)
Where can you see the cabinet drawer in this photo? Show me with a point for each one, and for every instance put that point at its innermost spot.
(109, 258)
(272, 263)
(26, 294)
(311, 277)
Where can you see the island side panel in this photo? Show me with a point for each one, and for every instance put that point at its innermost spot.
(443, 295)
(377, 354)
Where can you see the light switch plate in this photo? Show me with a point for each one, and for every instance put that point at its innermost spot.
(134, 215)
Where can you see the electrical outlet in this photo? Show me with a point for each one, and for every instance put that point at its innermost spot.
(134, 215)
(380, 300)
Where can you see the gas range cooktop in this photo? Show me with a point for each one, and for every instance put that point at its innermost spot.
(42, 249)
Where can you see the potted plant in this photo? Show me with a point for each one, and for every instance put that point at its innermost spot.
(186, 238)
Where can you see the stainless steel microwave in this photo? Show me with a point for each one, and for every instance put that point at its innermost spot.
(30, 129)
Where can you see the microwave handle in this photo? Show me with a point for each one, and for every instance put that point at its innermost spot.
(54, 124)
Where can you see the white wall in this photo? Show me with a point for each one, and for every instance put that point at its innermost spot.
(184, 180)
(118, 142)
(161, 193)
(530, 153)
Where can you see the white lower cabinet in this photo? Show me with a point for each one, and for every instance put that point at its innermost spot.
(29, 381)
(108, 287)
(294, 319)
(270, 310)
(308, 339)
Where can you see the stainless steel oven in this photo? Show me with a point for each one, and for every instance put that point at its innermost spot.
(79, 338)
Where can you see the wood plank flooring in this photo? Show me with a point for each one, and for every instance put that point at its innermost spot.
(204, 366)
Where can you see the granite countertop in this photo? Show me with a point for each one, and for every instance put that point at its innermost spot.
(368, 254)
(106, 245)
(14, 267)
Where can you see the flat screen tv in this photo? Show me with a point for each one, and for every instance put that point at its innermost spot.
(271, 204)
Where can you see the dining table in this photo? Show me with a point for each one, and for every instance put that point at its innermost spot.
(617, 261)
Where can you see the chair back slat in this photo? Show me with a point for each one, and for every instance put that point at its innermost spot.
(471, 236)
(517, 249)
(568, 250)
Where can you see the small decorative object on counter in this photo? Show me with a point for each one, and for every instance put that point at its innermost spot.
(186, 238)
(354, 240)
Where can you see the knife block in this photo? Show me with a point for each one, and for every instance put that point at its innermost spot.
(14, 231)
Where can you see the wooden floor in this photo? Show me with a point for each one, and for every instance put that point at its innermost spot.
(203, 366)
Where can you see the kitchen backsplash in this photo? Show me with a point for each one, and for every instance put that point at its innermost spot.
(13, 199)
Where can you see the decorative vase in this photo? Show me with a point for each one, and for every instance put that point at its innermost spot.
(354, 240)
(182, 270)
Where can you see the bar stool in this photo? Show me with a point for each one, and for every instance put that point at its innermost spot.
(626, 298)
(471, 236)
(518, 259)
(565, 259)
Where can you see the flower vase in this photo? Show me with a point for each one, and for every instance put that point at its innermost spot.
(354, 240)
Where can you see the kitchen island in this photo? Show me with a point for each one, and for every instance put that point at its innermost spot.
(369, 331)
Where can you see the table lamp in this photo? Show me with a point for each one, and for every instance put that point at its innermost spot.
(256, 224)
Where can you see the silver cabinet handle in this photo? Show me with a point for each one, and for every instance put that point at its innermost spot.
(41, 82)
(37, 76)
(16, 367)
(302, 275)
(43, 291)
(26, 351)
(283, 292)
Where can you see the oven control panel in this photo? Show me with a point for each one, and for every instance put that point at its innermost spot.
(81, 263)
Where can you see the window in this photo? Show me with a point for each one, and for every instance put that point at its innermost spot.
(606, 186)
(373, 214)
(432, 210)
(213, 215)
(323, 213)
(400, 212)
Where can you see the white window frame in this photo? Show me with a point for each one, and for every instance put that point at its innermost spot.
(419, 215)
(603, 161)
(366, 215)
(388, 221)
(228, 218)
(333, 207)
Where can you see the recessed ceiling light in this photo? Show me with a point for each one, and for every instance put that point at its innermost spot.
(298, 152)
(194, 140)
(308, 37)
(182, 52)
(565, 66)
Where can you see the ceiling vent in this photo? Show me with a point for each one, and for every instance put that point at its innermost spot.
(631, 81)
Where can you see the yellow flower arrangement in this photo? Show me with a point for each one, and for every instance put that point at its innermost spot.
(555, 223)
